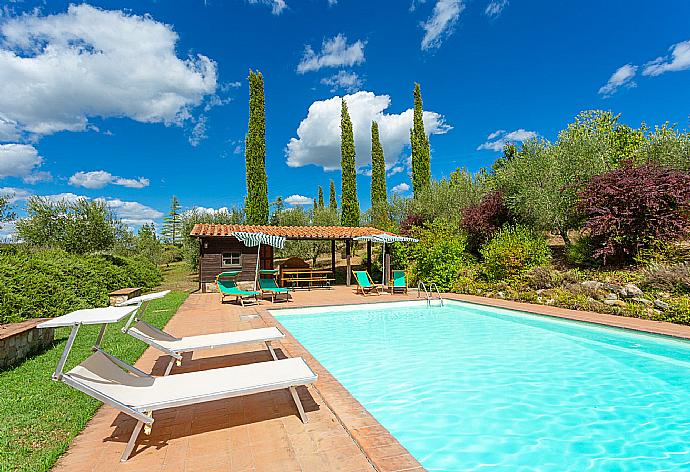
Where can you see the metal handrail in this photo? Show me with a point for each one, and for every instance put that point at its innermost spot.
(421, 285)
(432, 287)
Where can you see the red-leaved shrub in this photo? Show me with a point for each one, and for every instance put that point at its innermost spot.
(482, 220)
(630, 208)
(411, 221)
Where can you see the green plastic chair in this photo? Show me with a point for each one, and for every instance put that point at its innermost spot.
(399, 281)
(228, 287)
(364, 283)
(269, 285)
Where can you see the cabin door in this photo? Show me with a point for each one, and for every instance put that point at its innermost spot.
(266, 257)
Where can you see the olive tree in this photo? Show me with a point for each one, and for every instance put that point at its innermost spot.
(80, 226)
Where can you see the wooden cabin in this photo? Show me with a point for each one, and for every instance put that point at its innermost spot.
(220, 251)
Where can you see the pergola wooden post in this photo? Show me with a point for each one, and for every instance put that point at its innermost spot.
(333, 258)
(348, 249)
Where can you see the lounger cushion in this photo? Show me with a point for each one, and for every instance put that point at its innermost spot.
(153, 393)
(208, 341)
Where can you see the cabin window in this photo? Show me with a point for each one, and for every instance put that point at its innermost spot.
(232, 259)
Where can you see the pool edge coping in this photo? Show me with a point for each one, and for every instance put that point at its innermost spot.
(662, 328)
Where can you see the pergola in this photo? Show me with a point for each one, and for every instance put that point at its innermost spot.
(347, 234)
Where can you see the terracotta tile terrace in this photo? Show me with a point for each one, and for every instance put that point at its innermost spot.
(263, 432)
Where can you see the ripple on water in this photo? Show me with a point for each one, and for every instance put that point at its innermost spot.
(475, 388)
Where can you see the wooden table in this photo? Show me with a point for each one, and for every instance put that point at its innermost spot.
(294, 277)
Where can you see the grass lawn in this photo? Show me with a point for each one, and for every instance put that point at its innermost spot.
(178, 276)
(40, 417)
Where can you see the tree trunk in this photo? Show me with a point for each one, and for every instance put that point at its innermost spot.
(564, 235)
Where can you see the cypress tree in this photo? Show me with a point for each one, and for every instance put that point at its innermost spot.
(350, 203)
(172, 224)
(333, 202)
(255, 154)
(321, 204)
(378, 169)
(421, 155)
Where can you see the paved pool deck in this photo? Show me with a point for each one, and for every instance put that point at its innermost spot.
(263, 432)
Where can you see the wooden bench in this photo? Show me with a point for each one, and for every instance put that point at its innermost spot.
(122, 295)
(294, 277)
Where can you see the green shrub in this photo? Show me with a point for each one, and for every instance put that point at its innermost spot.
(579, 253)
(543, 277)
(667, 277)
(678, 312)
(49, 283)
(512, 251)
(440, 255)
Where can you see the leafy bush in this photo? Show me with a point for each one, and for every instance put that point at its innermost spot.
(670, 278)
(632, 208)
(440, 255)
(678, 312)
(411, 222)
(542, 277)
(49, 283)
(445, 198)
(579, 253)
(512, 251)
(481, 221)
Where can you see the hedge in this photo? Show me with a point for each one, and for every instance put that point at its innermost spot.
(49, 283)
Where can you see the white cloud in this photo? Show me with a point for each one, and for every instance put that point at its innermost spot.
(623, 77)
(64, 197)
(395, 170)
(498, 139)
(335, 52)
(318, 140)
(198, 132)
(441, 22)
(400, 188)
(208, 210)
(100, 178)
(8, 230)
(277, 6)
(57, 71)
(9, 131)
(678, 60)
(132, 213)
(347, 81)
(21, 160)
(298, 200)
(14, 194)
(227, 86)
(495, 8)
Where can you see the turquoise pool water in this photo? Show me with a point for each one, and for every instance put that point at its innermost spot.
(468, 388)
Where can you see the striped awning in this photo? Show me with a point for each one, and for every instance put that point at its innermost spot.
(386, 238)
(254, 239)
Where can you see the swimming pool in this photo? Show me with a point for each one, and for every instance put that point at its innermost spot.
(468, 387)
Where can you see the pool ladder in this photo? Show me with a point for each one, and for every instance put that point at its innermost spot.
(429, 294)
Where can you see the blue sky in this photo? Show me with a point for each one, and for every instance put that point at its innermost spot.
(136, 101)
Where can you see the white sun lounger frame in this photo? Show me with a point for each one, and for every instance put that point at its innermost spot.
(108, 315)
(263, 335)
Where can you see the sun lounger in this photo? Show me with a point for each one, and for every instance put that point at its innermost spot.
(269, 286)
(137, 394)
(399, 282)
(175, 347)
(228, 287)
(364, 283)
